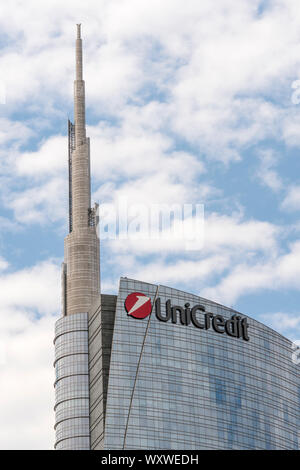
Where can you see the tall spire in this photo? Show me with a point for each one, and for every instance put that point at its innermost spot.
(81, 270)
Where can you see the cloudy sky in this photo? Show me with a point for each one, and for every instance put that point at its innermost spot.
(188, 102)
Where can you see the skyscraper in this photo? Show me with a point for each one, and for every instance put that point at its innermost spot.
(154, 367)
(80, 280)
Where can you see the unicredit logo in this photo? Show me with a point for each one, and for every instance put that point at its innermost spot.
(138, 305)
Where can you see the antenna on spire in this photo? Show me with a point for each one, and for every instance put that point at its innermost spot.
(78, 53)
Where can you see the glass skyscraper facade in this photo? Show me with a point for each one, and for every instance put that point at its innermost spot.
(176, 386)
(173, 386)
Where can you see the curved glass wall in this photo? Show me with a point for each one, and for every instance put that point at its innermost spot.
(173, 386)
(72, 383)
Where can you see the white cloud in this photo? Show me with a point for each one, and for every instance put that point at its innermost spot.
(49, 159)
(13, 131)
(221, 234)
(29, 304)
(3, 264)
(266, 172)
(291, 202)
(27, 398)
(32, 288)
(285, 322)
(8, 225)
(290, 125)
(182, 271)
(281, 272)
(39, 204)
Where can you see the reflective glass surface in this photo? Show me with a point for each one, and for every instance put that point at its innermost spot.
(173, 386)
(72, 383)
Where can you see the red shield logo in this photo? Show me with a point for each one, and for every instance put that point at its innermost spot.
(138, 305)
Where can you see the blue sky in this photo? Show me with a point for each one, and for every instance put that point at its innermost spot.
(187, 102)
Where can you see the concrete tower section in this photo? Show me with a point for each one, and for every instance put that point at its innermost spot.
(81, 267)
